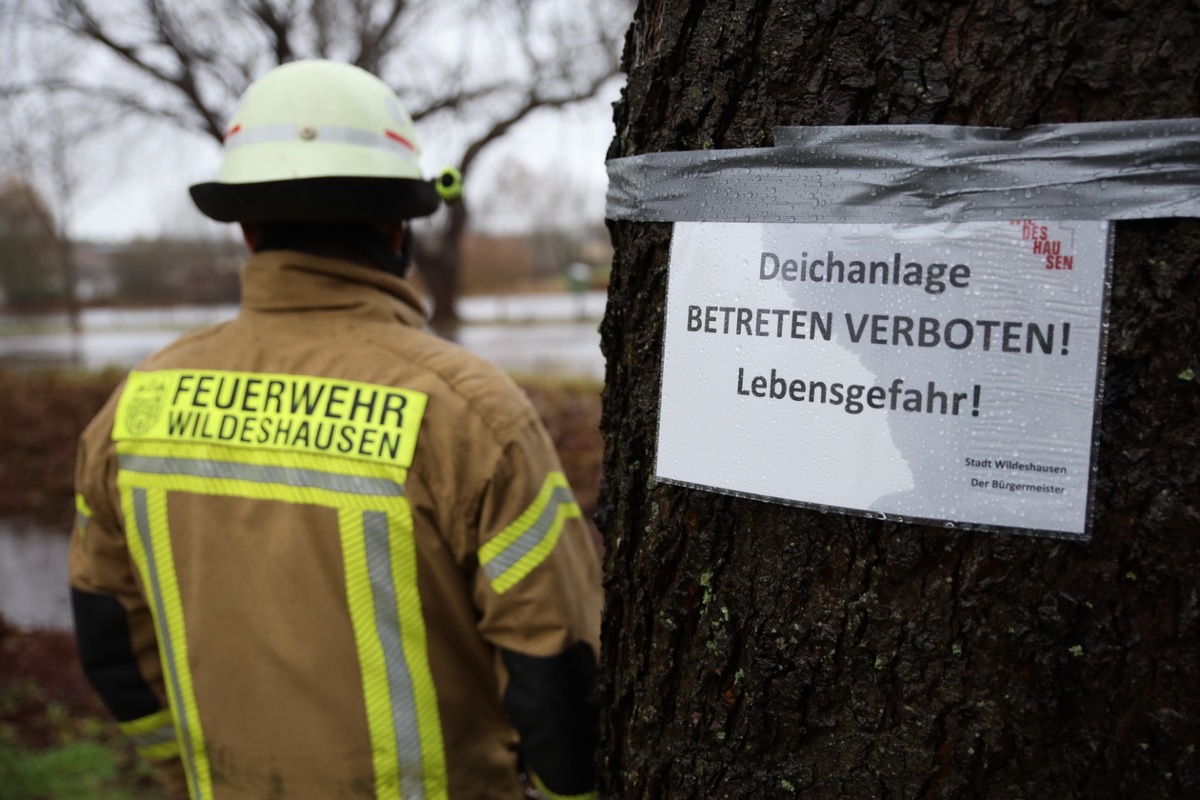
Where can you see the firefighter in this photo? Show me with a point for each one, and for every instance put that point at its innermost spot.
(320, 552)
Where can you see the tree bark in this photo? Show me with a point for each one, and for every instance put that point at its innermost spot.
(756, 650)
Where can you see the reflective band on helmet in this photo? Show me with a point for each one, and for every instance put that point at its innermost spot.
(334, 134)
(522, 546)
(153, 736)
(380, 562)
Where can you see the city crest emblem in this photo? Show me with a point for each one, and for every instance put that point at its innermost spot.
(144, 402)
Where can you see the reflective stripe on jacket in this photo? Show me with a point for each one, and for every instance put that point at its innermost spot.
(306, 537)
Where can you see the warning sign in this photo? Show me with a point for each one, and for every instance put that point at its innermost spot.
(944, 373)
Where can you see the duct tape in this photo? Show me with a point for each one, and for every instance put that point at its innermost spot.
(922, 173)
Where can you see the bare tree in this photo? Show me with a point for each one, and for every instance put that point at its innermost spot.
(43, 134)
(26, 248)
(488, 64)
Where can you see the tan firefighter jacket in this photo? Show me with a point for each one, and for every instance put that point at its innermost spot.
(322, 553)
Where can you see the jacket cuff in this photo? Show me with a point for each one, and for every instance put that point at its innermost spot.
(153, 736)
(549, 795)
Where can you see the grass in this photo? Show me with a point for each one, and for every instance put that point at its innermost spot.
(91, 769)
(61, 753)
(79, 769)
(56, 740)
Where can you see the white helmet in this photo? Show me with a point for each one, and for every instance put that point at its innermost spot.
(318, 141)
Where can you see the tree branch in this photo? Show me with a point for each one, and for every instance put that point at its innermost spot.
(126, 101)
(280, 28)
(533, 102)
(87, 26)
(185, 80)
(372, 44)
(455, 102)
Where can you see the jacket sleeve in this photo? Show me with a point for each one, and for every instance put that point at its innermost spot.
(114, 627)
(538, 590)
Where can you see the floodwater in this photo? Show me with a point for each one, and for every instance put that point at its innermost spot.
(33, 576)
(543, 334)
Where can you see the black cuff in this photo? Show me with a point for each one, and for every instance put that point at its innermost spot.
(553, 704)
(106, 652)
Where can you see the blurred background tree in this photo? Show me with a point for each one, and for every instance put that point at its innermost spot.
(470, 71)
(27, 247)
(177, 270)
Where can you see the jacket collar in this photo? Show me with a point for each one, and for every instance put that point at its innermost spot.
(287, 280)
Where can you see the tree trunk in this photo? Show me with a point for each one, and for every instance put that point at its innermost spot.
(70, 274)
(441, 266)
(756, 650)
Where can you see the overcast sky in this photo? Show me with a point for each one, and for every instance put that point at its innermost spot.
(134, 173)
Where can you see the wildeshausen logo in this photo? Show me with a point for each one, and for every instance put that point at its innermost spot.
(145, 405)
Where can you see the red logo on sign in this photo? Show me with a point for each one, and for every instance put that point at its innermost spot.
(1038, 235)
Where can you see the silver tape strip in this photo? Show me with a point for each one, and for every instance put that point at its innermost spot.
(921, 174)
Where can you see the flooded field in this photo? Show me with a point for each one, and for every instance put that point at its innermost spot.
(33, 576)
(546, 333)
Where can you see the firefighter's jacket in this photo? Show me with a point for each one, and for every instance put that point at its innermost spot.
(323, 553)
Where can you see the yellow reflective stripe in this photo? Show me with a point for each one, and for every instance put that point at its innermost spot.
(150, 544)
(407, 611)
(281, 481)
(83, 513)
(227, 472)
(522, 546)
(370, 650)
(153, 735)
(149, 724)
(389, 629)
(549, 795)
(379, 550)
(160, 751)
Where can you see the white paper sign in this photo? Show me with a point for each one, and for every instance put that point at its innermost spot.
(942, 373)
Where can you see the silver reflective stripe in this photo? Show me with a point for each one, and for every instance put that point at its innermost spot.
(166, 646)
(387, 625)
(922, 174)
(357, 136)
(520, 547)
(259, 473)
(262, 133)
(337, 134)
